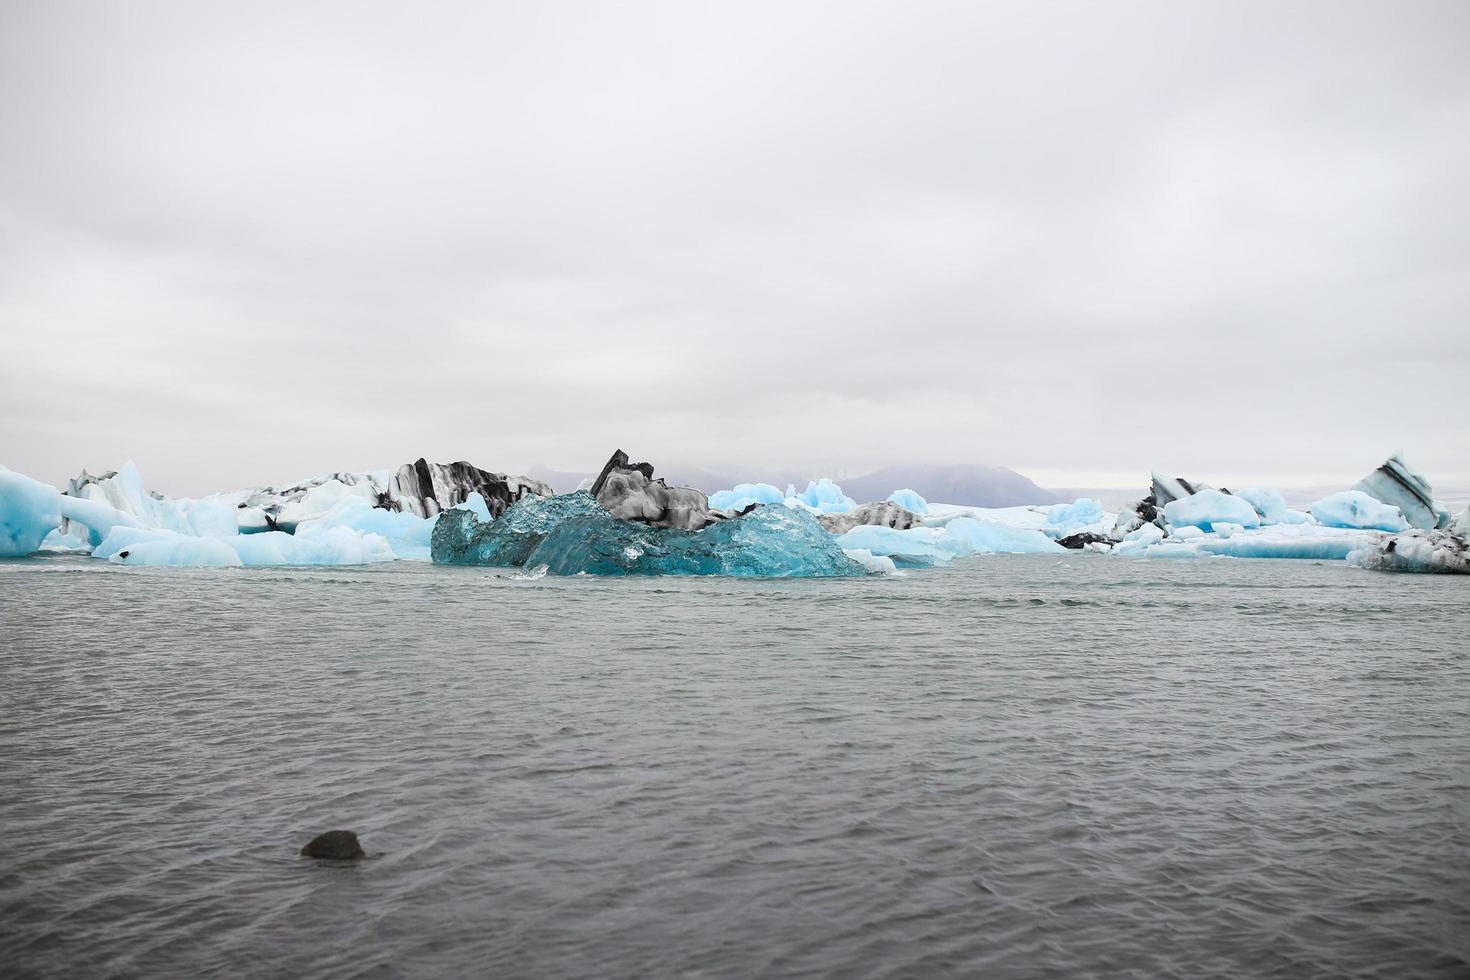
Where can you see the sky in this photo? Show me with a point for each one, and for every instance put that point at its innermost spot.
(247, 243)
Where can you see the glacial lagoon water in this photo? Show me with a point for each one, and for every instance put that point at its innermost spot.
(1012, 767)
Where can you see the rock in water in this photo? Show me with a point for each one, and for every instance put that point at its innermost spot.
(334, 845)
(629, 492)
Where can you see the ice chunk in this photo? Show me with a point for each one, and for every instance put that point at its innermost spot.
(822, 496)
(938, 545)
(406, 534)
(886, 514)
(876, 564)
(1356, 509)
(1225, 529)
(972, 537)
(319, 500)
(30, 510)
(916, 546)
(67, 543)
(1396, 484)
(572, 534)
(1303, 541)
(460, 538)
(1137, 541)
(745, 494)
(909, 500)
(1165, 489)
(768, 542)
(124, 491)
(1417, 551)
(1271, 506)
(155, 546)
(160, 546)
(1206, 507)
(1082, 512)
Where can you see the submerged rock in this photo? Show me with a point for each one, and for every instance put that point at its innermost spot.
(1080, 540)
(334, 845)
(629, 492)
(884, 514)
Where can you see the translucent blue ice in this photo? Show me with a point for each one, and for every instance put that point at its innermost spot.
(824, 497)
(1209, 507)
(160, 546)
(910, 501)
(461, 538)
(1271, 506)
(571, 534)
(30, 510)
(1080, 513)
(918, 546)
(745, 494)
(1354, 508)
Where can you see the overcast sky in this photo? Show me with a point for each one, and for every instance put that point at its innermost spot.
(245, 243)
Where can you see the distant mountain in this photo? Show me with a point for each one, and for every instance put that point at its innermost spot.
(970, 484)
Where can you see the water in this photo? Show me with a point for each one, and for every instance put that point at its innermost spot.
(1013, 767)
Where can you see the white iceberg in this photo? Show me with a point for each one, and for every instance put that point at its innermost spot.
(745, 494)
(1356, 509)
(1395, 483)
(821, 497)
(1205, 508)
(909, 500)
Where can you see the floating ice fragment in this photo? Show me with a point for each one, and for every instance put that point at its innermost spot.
(1396, 484)
(909, 500)
(1356, 509)
(745, 494)
(1080, 513)
(822, 496)
(1206, 507)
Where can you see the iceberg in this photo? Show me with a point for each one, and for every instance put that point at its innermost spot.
(1271, 507)
(1082, 512)
(573, 534)
(462, 537)
(1420, 550)
(158, 546)
(1356, 509)
(1396, 484)
(822, 496)
(30, 510)
(962, 536)
(884, 514)
(744, 495)
(1204, 508)
(909, 500)
(875, 564)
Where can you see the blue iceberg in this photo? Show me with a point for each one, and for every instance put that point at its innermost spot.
(572, 534)
(1356, 509)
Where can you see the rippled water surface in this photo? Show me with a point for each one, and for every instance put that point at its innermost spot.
(1013, 767)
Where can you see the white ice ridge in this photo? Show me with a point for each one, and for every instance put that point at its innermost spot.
(116, 518)
(350, 519)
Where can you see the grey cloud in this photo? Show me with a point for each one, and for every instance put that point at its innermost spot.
(252, 243)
